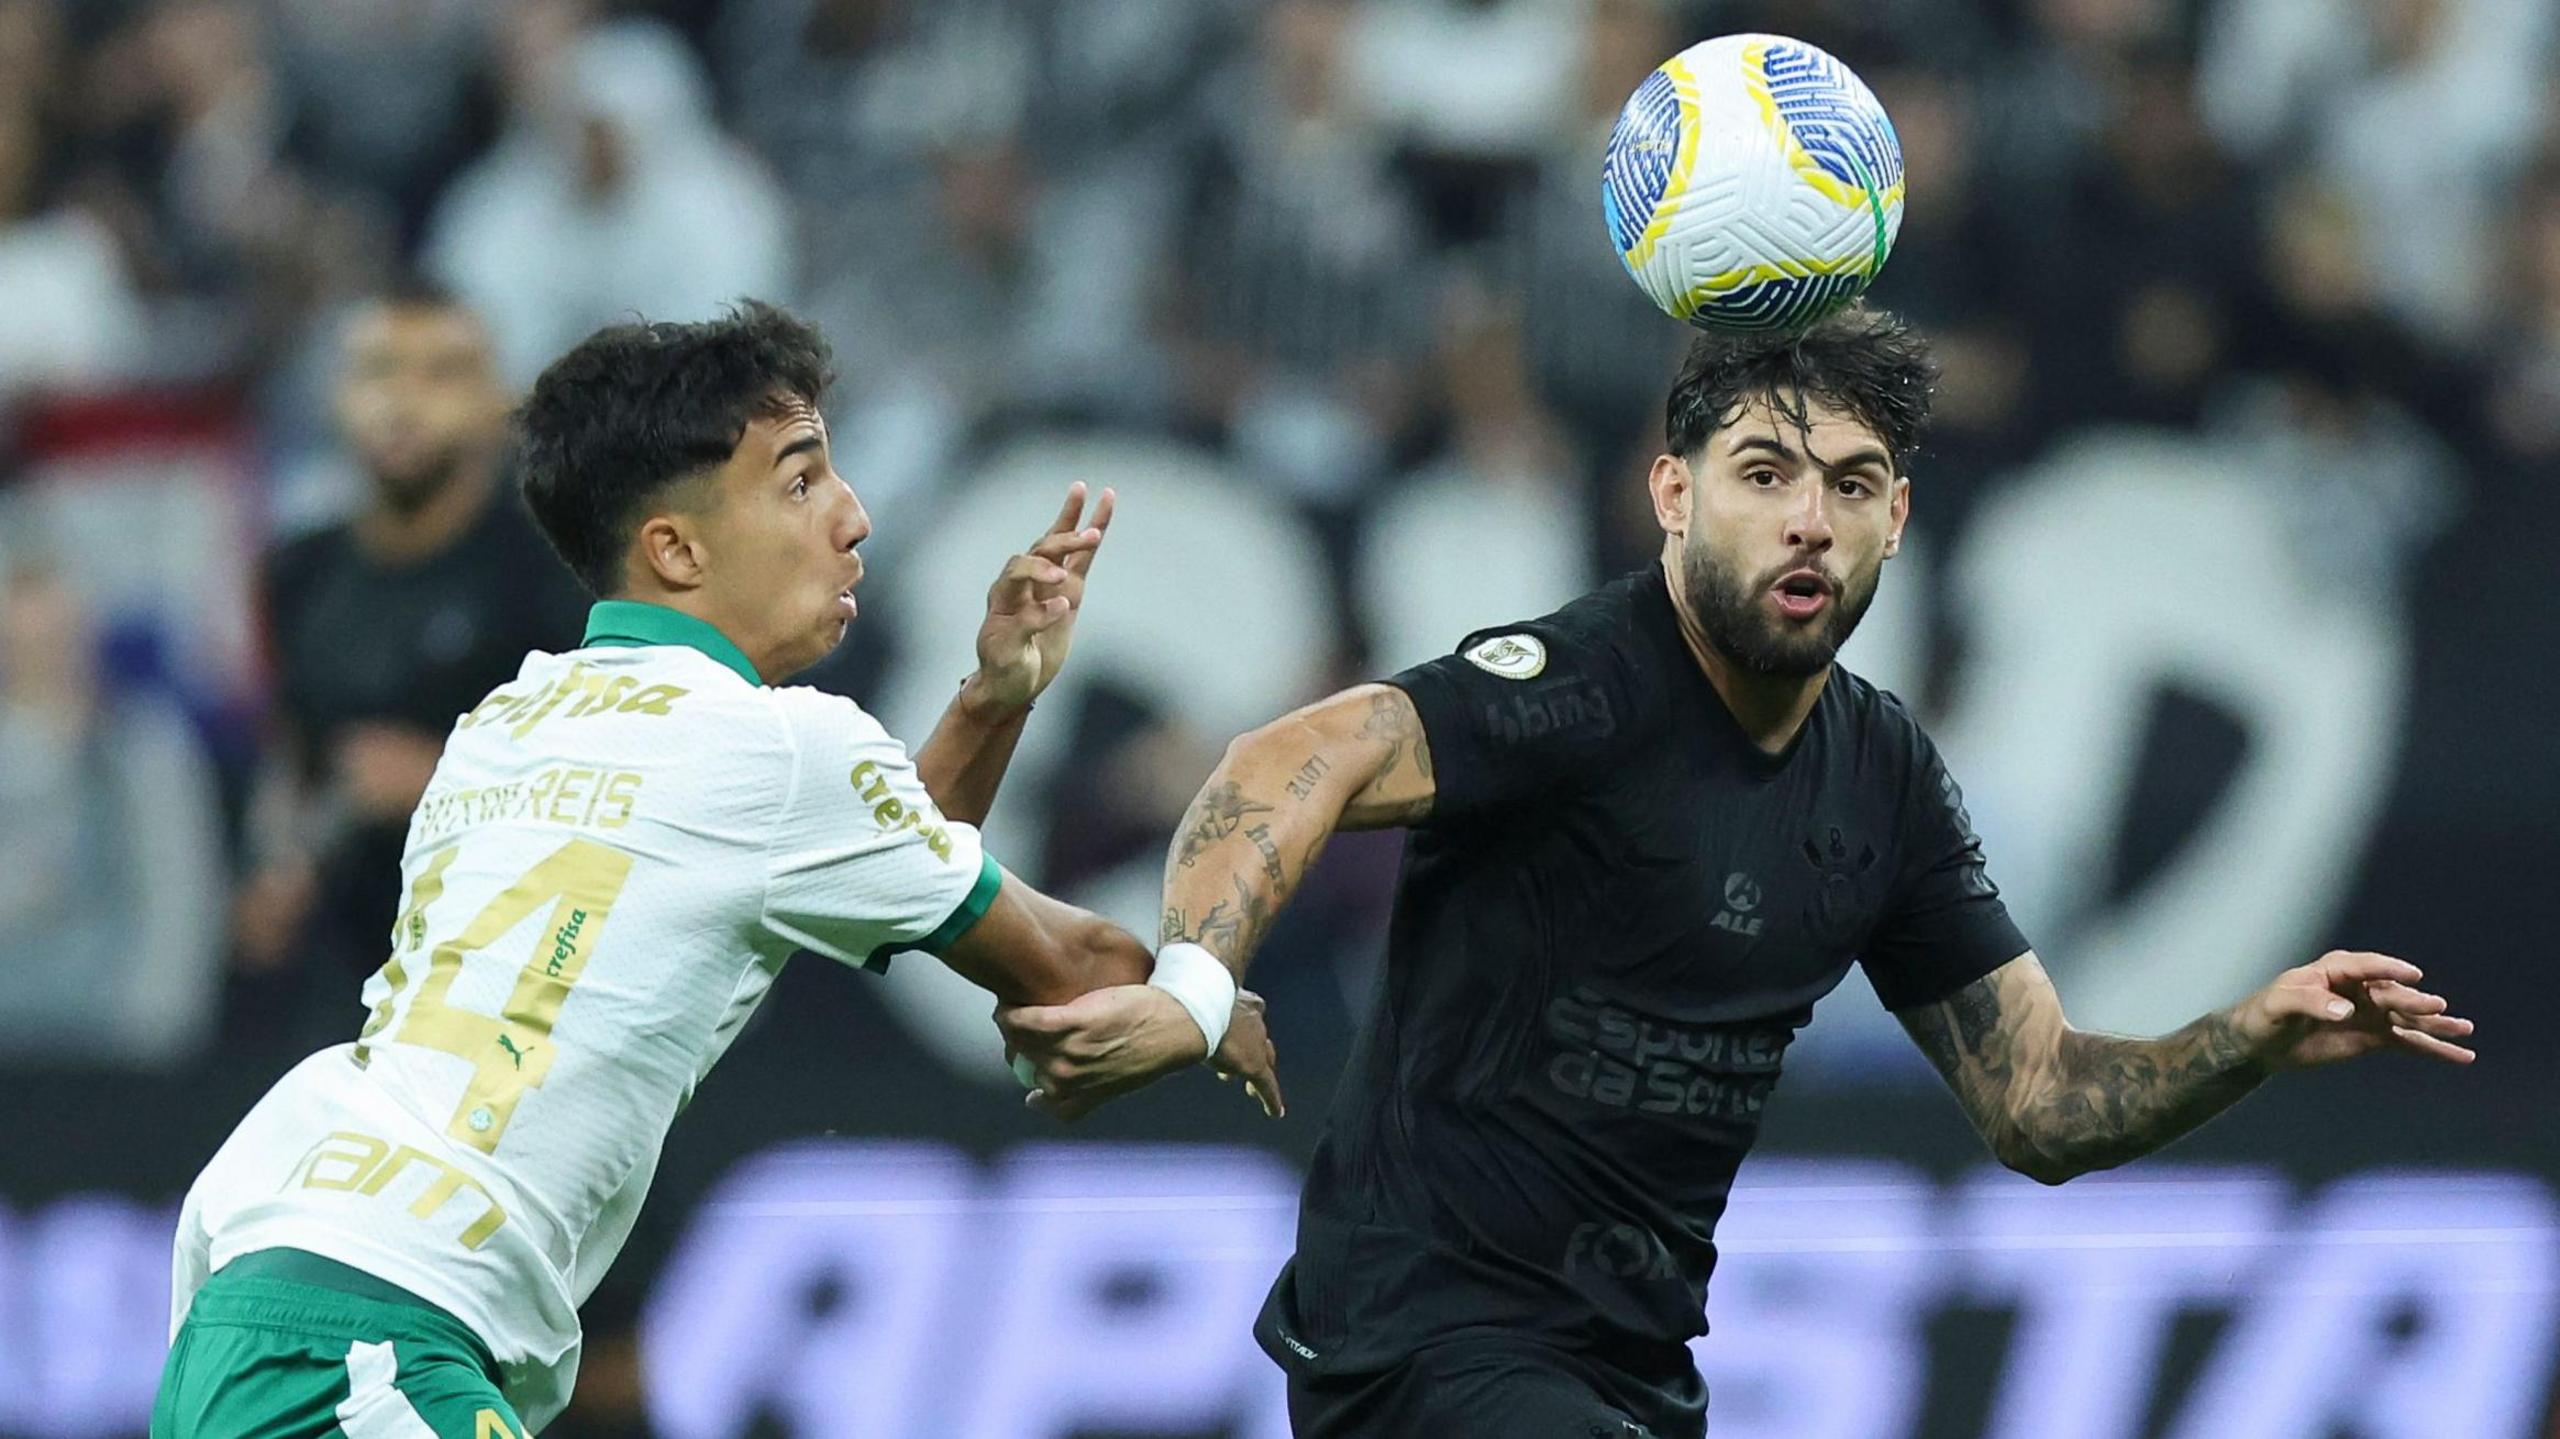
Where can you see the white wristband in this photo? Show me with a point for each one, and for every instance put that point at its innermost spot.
(1200, 983)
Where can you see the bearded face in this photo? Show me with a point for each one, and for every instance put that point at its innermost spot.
(419, 399)
(1788, 524)
(1743, 617)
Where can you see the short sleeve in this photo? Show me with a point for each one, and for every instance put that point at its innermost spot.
(1516, 714)
(1945, 926)
(861, 864)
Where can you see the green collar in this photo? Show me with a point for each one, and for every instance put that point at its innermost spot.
(631, 623)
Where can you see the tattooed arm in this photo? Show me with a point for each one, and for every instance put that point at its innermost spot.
(2055, 1102)
(1358, 760)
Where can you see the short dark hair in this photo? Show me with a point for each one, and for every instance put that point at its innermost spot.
(636, 408)
(1862, 360)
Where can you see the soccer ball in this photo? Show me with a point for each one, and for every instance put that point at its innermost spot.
(1752, 183)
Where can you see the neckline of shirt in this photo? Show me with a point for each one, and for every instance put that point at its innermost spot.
(1654, 587)
(637, 623)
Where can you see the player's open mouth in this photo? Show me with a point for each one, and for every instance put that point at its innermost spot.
(844, 596)
(1801, 594)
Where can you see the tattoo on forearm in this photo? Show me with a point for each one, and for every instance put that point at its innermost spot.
(1232, 929)
(2119, 1099)
(1303, 783)
(1217, 813)
(1260, 834)
(1391, 723)
(2102, 1099)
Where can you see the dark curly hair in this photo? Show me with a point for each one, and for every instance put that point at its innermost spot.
(637, 408)
(1862, 360)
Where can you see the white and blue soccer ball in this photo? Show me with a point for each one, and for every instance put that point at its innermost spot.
(1752, 183)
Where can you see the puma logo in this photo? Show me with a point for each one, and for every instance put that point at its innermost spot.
(507, 1042)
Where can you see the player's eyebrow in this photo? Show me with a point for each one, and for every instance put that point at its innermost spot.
(1767, 443)
(801, 446)
(1865, 457)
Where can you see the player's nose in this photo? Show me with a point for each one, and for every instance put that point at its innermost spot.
(853, 522)
(1809, 524)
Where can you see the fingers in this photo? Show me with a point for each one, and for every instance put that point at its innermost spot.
(2399, 999)
(1261, 1075)
(1035, 1020)
(1247, 1052)
(2356, 964)
(1069, 512)
(1065, 1110)
(2442, 1026)
(2432, 1047)
(1264, 1086)
(1041, 616)
(1034, 569)
(1082, 561)
(1018, 584)
(1061, 548)
(1070, 538)
(2309, 1002)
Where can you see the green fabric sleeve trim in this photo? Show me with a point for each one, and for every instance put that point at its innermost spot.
(981, 898)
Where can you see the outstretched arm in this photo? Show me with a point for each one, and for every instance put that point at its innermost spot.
(1031, 949)
(2054, 1102)
(1030, 624)
(1358, 760)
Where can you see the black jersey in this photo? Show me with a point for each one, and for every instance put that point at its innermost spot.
(1613, 923)
(359, 640)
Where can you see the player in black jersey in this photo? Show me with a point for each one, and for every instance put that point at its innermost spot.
(1649, 831)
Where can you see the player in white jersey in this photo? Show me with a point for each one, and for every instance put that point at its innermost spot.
(620, 849)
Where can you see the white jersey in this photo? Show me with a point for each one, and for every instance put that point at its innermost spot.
(618, 851)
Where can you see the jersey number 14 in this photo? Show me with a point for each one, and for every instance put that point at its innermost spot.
(509, 1052)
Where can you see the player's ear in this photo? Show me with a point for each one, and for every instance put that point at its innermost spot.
(1901, 515)
(1671, 483)
(672, 549)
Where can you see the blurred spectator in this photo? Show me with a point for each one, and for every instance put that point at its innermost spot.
(612, 192)
(1493, 527)
(2524, 397)
(111, 871)
(1468, 91)
(1123, 74)
(69, 313)
(2420, 112)
(180, 126)
(1005, 291)
(1310, 299)
(1468, 77)
(1600, 352)
(384, 93)
(849, 99)
(2045, 98)
(385, 628)
(1962, 270)
(2138, 274)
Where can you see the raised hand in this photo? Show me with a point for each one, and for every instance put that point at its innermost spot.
(1031, 608)
(2346, 1004)
(1114, 1040)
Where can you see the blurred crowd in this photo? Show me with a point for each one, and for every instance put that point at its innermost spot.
(271, 270)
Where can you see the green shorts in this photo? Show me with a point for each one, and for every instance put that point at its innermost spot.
(284, 1344)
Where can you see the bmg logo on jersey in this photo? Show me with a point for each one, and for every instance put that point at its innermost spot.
(1741, 896)
(1549, 709)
